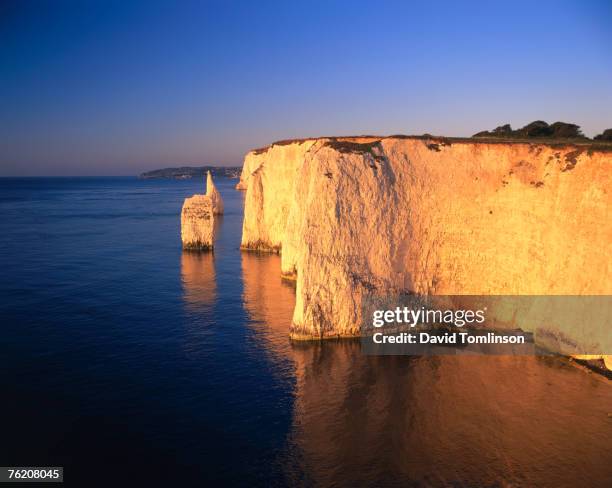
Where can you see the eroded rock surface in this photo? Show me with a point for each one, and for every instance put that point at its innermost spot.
(214, 195)
(198, 217)
(198, 223)
(356, 217)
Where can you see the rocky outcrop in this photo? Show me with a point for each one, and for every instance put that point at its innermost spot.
(198, 218)
(371, 216)
(269, 176)
(214, 195)
(198, 223)
(251, 162)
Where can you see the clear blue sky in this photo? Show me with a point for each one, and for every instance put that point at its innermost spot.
(115, 88)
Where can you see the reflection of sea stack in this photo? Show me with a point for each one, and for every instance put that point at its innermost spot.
(199, 281)
(198, 217)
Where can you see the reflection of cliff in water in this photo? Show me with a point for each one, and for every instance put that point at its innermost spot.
(269, 301)
(429, 421)
(449, 421)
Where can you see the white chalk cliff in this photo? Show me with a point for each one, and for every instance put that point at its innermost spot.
(198, 217)
(214, 195)
(197, 223)
(383, 216)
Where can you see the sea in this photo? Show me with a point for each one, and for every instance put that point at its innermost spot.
(129, 362)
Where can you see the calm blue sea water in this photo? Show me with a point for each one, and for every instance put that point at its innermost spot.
(124, 358)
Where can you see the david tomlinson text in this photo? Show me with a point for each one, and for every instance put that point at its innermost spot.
(447, 338)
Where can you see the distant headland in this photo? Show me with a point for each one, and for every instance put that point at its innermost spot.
(187, 172)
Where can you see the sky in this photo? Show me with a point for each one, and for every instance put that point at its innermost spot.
(117, 88)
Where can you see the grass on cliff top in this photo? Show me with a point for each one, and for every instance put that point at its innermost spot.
(587, 144)
(344, 146)
(348, 144)
(286, 142)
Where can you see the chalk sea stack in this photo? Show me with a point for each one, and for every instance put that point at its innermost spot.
(356, 217)
(198, 218)
(214, 195)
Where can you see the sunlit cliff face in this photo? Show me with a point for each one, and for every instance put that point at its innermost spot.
(427, 216)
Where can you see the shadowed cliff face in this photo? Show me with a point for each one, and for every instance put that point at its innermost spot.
(428, 216)
(430, 421)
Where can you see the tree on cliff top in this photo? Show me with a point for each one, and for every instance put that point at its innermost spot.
(567, 131)
(606, 135)
(501, 131)
(537, 128)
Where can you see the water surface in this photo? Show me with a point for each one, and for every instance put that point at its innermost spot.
(124, 357)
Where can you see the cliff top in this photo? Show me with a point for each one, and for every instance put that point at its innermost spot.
(351, 143)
